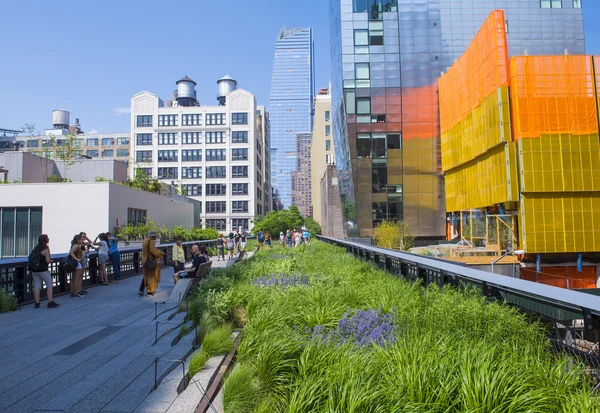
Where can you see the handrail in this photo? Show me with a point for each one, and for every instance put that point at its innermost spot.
(15, 281)
(553, 303)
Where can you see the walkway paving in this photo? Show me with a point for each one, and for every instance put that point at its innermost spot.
(93, 354)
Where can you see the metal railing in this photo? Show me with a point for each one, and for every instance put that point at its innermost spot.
(16, 281)
(571, 313)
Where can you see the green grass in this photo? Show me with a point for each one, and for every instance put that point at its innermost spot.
(216, 342)
(7, 302)
(455, 352)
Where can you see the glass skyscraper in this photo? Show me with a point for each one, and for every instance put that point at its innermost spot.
(386, 58)
(291, 105)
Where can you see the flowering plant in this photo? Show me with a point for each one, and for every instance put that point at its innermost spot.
(282, 280)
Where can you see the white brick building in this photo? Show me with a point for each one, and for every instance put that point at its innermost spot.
(219, 154)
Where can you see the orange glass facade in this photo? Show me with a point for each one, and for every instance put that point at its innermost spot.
(535, 117)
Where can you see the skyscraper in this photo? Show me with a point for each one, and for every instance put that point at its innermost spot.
(290, 105)
(386, 61)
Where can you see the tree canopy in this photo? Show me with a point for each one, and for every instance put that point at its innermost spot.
(281, 221)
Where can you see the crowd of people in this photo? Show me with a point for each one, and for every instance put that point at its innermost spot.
(294, 238)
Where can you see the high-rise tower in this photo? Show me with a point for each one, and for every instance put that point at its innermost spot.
(291, 104)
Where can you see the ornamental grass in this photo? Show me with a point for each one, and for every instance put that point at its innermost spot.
(349, 337)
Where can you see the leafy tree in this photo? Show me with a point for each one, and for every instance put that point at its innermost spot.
(393, 235)
(144, 182)
(313, 226)
(280, 221)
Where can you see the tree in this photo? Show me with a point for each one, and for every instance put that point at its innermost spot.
(313, 226)
(144, 182)
(280, 221)
(393, 235)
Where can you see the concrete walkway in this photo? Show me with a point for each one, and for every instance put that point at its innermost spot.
(93, 354)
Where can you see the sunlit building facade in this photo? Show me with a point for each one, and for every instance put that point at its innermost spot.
(387, 56)
(290, 105)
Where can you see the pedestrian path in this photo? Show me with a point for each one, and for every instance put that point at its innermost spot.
(93, 354)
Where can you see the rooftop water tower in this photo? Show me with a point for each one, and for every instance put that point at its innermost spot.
(226, 85)
(61, 119)
(186, 92)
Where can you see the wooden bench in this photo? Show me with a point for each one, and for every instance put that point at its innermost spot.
(203, 270)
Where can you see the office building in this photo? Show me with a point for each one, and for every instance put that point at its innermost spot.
(216, 154)
(322, 151)
(290, 105)
(387, 57)
(301, 184)
(520, 146)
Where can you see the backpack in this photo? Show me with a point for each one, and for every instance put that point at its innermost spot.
(36, 262)
(260, 237)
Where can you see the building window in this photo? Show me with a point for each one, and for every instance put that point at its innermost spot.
(363, 106)
(123, 141)
(327, 130)
(327, 116)
(216, 190)
(328, 144)
(61, 142)
(376, 33)
(215, 137)
(216, 207)
(379, 176)
(576, 4)
(214, 172)
(239, 137)
(144, 171)
(364, 6)
(241, 224)
(239, 189)
(189, 155)
(168, 120)
(193, 172)
(122, 153)
(143, 156)
(92, 153)
(218, 224)
(551, 4)
(190, 138)
(239, 118)
(350, 102)
(192, 189)
(33, 143)
(168, 173)
(239, 172)
(167, 139)
(91, 142)
(19, 231)
(144, 121)
(239, 207)
(215, 155)
(143, 138)
(239, 154)
(108, 153)
(215, 119)
(136, 216)
(394, 141)
(191, 120)
(108, 141)
(328, 159)
(77, 143)
(168, 156)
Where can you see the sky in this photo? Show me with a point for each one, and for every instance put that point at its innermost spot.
(92, 57)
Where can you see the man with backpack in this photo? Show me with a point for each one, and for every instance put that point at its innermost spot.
(261, 238)
(37, 263)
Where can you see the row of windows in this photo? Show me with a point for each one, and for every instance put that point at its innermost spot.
(375, 145)
(221, 224)
(190, 138)
(189, 155)
(194, 172)
(77, 143)
(220, 207)
(215, 189)
(557, 4)
(192, 119)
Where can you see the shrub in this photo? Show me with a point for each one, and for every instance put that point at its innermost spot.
(216, 342)
(7, 302)
(241, 390)
(393, 235)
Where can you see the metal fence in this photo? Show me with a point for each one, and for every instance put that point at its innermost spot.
(16, 281)
(574, 316)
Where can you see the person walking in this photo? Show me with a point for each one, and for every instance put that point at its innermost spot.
(101, 242)
(242, 242)
(288, 237)
(268, 240)
(237, 239)
(297, 238)
(150, 263)
(178, 255)
(38, 262)
(77, 253)
(261, 239)
(281, 238)
(114, 256)
(306, 236)
(220, 248)
(230, 245)
(87, 245)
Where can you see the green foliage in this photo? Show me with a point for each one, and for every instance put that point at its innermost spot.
(393, 235)
(281, 221)
(216, 342)
(241, 390)
(7, 302)
(144, 182)
(101, 179)
(139, 231)
(454, 351)
(199, 234)
(313, 226)
(54, 179)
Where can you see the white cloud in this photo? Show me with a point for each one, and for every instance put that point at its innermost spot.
(93, 131)
(121, 111)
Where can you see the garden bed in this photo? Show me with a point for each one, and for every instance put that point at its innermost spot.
(326, 332)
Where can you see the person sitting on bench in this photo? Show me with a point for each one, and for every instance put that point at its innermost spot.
(197, 260)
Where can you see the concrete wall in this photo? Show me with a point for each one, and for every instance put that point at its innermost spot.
(161, 209)
(87, 170)
(25, 167)
(94, 207)
(332, 224)
(319, 152)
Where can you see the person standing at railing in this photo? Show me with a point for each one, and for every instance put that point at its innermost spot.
(77, 254)
(38, 263)
(150, 263)
(101, 242)
(178, 255)
(115, 256)
(87, 245)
